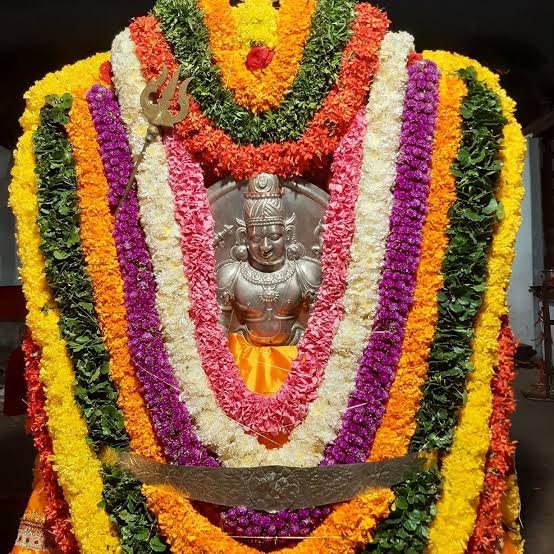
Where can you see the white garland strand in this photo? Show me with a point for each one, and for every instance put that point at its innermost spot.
(227, 438)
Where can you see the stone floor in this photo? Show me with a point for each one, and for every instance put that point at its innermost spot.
(533, 428)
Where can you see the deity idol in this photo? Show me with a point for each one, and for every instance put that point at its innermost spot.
(265, 250)
(263, 293)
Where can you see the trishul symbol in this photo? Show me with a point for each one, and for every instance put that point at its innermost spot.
(155, 106)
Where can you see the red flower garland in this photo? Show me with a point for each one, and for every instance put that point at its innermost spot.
(220, 155)
(488, 526)
(58, 522)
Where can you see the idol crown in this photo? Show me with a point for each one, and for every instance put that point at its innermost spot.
(263, 204)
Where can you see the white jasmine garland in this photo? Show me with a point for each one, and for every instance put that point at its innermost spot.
(227, 438)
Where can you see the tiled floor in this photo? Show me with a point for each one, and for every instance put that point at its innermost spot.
(533, 428)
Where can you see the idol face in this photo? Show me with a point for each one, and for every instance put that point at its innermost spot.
(266, 246)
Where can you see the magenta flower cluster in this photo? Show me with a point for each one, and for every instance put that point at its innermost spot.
(380, 359)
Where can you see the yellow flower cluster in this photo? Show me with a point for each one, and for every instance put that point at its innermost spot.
(262, 89)
(77, 467)
(394, 435)
(256, 23)
(103, 268)
(511, 506)
(463, 467)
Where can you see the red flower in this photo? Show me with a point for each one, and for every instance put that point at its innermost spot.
(258, 57)
(106, 72)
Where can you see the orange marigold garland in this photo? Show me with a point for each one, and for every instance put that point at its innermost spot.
(220, 154)
(265, 88)
(103, 269)
(58, 520)
(488, 527)
(395, 433)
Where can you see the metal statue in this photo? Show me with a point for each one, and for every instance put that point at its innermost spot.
(268, 285)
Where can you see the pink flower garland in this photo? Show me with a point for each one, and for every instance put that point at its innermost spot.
(286, 409)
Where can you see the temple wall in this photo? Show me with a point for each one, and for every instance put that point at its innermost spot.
(529, 260)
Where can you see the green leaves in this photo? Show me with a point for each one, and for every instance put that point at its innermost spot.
(406, 528)
(126, 505)
(472, 220)
(183, 26)
(58, 222)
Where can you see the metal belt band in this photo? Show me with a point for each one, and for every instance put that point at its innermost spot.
(273, 488)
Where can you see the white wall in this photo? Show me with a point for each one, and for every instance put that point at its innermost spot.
(8, 256)
(529, 259)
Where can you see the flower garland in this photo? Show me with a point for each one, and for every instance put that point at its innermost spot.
(217, 151)
(488, 531)
(256, 23)
(321, 63)
(188, 188)
(73, 458)
(169, 416)
(462, 468)
(61, 247)
(166, 503)
(384, 166)
(378, 365)
(222, 434)
(281, 412)
(98, 246)
(65, 272)
(472, 220)
(58, 521)
(261, 90)
(396, 430)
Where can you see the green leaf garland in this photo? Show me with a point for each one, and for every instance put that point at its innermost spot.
(406, 529)
(58, 223)
(182, 23)
(60, 243)
(125, 503)
(472, 220)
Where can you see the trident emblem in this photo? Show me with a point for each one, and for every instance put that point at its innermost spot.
(155, 107)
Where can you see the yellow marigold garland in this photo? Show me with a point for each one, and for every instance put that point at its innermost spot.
(77, 467)
(463, 467)
(394, 435)
(103, 268)
(262, 89)
(256, 23)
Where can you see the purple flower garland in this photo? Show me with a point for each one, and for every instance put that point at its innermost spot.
(380, 359)
(169, 415)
